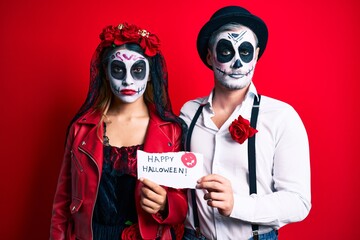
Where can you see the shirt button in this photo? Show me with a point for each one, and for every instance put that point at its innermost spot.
(83, 143)
(169, 144)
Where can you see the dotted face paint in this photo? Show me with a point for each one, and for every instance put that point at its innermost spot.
(128, 73)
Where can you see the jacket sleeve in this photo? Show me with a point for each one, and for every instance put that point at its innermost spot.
(177, 207)
(60, 219)
(176, 198)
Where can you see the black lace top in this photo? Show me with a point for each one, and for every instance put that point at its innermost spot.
(115, 205)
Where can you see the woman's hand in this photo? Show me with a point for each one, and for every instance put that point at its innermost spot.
(153, 197)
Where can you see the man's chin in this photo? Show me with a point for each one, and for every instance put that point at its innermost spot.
(233, 87)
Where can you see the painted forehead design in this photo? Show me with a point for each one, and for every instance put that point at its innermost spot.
(126, 55)
(124, 62)
(236, 37)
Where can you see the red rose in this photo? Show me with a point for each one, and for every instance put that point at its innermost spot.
(130, 33)
(179, 231)
(131, 233)
(151, 44)
(107, 36)
(241, 130)
(126, 33)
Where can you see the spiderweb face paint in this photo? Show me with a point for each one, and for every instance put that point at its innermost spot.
(233, 58)
(128, 73)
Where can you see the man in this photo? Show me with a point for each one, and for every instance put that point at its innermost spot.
(230, 44)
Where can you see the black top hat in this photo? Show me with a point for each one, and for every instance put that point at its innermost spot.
(231, 14)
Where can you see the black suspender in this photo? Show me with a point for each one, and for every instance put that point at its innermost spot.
(187, 148)
(252, 158)
(251, 162)
(191, 127)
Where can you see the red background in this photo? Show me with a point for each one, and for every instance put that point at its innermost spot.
(311, 62)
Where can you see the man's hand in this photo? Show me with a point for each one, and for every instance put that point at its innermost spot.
(153, 197)
(219, 195)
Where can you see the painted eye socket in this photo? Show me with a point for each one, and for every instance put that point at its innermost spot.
(138, 70)
(226, 52)
(118, 70)
(244, 52)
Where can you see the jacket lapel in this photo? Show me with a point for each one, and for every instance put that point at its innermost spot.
(157, 138)
(91, 143)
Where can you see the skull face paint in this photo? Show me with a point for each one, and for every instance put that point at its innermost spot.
(128, 73)
(233, 57)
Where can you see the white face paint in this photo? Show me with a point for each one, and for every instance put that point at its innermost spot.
(233, 57)
(128, 73)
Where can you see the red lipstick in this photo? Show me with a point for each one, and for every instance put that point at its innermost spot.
(128, 92)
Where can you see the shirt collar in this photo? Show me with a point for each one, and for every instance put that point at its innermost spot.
(251, 93)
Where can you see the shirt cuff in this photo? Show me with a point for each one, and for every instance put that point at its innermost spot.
(244, 207)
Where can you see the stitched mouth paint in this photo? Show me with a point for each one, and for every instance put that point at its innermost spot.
(128, 73)
(233, 57)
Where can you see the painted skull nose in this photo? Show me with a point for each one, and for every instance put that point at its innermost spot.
(237, 64)
(126, 84)
(127, 81)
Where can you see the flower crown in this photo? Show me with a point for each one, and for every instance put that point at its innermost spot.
(130, 33)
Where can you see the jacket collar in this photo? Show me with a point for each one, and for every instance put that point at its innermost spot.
(90, 117)
(93, 117)
(156, 134)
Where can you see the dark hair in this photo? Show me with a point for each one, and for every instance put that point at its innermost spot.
(156, 93)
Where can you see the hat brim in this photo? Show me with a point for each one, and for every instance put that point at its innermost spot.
(250, 21)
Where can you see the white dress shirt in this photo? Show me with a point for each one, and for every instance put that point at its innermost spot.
(282, 168)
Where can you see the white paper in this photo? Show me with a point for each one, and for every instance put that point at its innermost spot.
(171, 169)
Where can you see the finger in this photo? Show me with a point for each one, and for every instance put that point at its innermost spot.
(215, 196)
(224, 206)
(153, 186)
(148, 203)
(153, 197)
(211, 186)
(152, 206)
(148, 193)
(216, 204)
(149, 209)
(213, 178)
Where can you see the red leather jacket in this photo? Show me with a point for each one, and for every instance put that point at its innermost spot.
(80, 175)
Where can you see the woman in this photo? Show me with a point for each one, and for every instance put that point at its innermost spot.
(127, 108)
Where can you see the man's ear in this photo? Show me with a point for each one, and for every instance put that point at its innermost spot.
(257, 53)
(208, 58)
